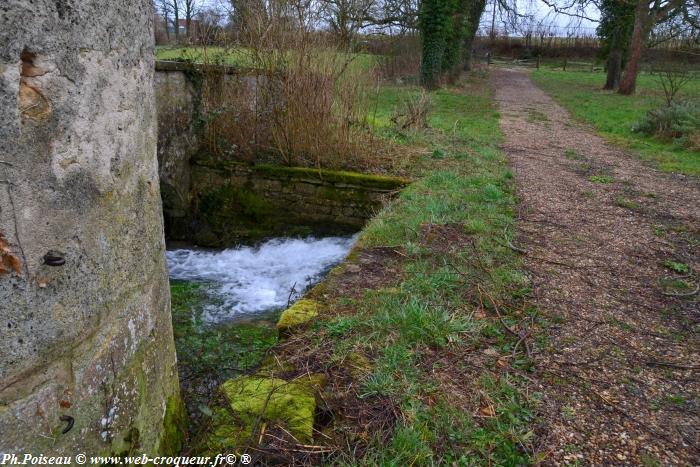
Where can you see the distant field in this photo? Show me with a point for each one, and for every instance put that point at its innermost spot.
(614, 115)
(228, 56)
(236, 56)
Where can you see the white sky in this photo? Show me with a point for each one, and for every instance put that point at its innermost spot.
(543, 14)
(540, 11)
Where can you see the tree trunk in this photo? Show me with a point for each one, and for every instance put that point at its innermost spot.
(473, 18)
(642, 24)
(433, 19)
(614, 69)
(176, 14)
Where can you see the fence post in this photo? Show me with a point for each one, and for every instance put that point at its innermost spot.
(538, 62)
(565, 60)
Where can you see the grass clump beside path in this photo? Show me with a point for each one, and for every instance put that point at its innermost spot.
(614, 115)
(422, 358)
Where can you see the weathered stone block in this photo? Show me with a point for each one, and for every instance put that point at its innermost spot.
(86, 333)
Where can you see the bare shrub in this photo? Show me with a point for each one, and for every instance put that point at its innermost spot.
(693, 141)
(672, 78)
(413, 112)
(399, 57)
(302, 102)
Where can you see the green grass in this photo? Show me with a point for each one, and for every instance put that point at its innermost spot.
(243, 57)
(220, 55)
(469, 184)
(614, 115)
(604, 179)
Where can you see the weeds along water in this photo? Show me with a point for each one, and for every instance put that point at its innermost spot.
(225, 303)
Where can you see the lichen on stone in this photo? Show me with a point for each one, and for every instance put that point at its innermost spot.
(297, 315)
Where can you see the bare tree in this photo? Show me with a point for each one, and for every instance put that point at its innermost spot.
(347, 17)
(163, 7)
(174, 6)
(189, 8)
(647, 16)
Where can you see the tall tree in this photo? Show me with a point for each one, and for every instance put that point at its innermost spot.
(189, 8)
(175, 8)
(164, 7)
(648, 14)
(454, 33)
(474, 11)
(615, 31)
(466, 16)
(434, 20)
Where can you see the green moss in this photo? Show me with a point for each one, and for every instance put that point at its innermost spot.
(297, 315)
(233, 201)
(258, 400)
(334, 176)
(211, 353)
(174, 427)
(358, 365)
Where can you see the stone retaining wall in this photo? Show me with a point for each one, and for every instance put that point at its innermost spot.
(236, 202)
(217, 202)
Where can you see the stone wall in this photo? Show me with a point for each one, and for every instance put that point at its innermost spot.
(213, 201)
(233, 202)
(87, 360)
(187, 96)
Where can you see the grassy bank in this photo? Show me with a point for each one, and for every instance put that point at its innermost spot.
(418, 337)
(614, 115)
(239, 56)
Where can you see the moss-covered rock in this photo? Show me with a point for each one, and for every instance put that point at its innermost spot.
(334, 176)
(257, 400)
(297, 316)
(358, 365)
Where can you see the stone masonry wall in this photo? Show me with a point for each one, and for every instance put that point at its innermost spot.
(85, 330)
(234, 202)
(215, 201)
(183, 107)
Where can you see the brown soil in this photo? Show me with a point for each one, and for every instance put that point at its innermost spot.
(620, 370)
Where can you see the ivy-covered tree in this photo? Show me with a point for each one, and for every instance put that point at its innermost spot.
(473, 12)
(452, 55)
(435, 23)
(448, 28)
(615, 32)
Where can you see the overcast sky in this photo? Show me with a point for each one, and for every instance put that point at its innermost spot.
(539, 11)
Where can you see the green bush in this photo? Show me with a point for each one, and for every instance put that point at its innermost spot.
(679, 121)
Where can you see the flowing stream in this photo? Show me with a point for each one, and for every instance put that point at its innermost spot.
(246, 281)
(225, 304)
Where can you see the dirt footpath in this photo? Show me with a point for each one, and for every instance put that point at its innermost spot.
(613, 249)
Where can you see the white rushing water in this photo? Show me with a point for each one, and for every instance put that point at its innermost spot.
(248, 280)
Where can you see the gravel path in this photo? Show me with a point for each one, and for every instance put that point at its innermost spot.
(620, 364)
